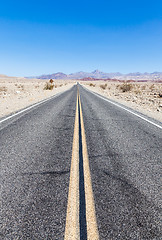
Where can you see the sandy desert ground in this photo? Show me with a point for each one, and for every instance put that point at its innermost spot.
(141, 96)
(18, 93)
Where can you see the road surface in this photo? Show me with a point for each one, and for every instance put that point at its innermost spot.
(80, 167)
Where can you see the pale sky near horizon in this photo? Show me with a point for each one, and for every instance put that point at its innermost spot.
(43, 37)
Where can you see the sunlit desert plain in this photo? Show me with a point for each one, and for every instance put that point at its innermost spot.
(18, 93)
(145, 97)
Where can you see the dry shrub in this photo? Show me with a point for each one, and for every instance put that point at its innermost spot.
(103, 86)
(48, 86)
(92, 85)
(137, 91)
(21, 86)
(3, 90)
(51, 81)
(126, 87)
(143, 87)
(152, 87)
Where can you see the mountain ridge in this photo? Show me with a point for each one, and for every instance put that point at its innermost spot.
(96, 74)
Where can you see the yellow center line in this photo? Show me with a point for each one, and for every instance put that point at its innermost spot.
(72, 216)
(72, 229)
(92, 231)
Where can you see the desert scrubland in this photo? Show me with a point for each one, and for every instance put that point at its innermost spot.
(18, 93)
(145, 97)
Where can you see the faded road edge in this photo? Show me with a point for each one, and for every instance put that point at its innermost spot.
(92, 230)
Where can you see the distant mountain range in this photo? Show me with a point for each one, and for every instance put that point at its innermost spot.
(102, 75)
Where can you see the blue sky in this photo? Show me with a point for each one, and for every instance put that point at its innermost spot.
(38, 37)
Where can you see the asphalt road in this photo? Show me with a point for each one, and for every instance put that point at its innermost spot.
(124, 156)
(35, 152)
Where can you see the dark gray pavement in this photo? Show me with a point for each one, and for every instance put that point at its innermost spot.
(35, 154)
(125, 155)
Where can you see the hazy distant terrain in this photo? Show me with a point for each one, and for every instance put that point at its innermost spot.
(156, 76)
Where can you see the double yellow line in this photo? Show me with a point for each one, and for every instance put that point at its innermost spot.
(72, 229)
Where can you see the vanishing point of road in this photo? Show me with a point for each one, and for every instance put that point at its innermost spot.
(80, 166)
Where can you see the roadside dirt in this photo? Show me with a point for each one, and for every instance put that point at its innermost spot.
(18, 93)
(141, 96)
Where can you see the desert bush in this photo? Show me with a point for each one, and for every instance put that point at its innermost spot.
(92, 85)
(126, 87)
(51, 81)
(48, 86)
(3, 89)
(143, 87)
(137, 91)
(152, 87)
(21, 86)
(103, 86)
